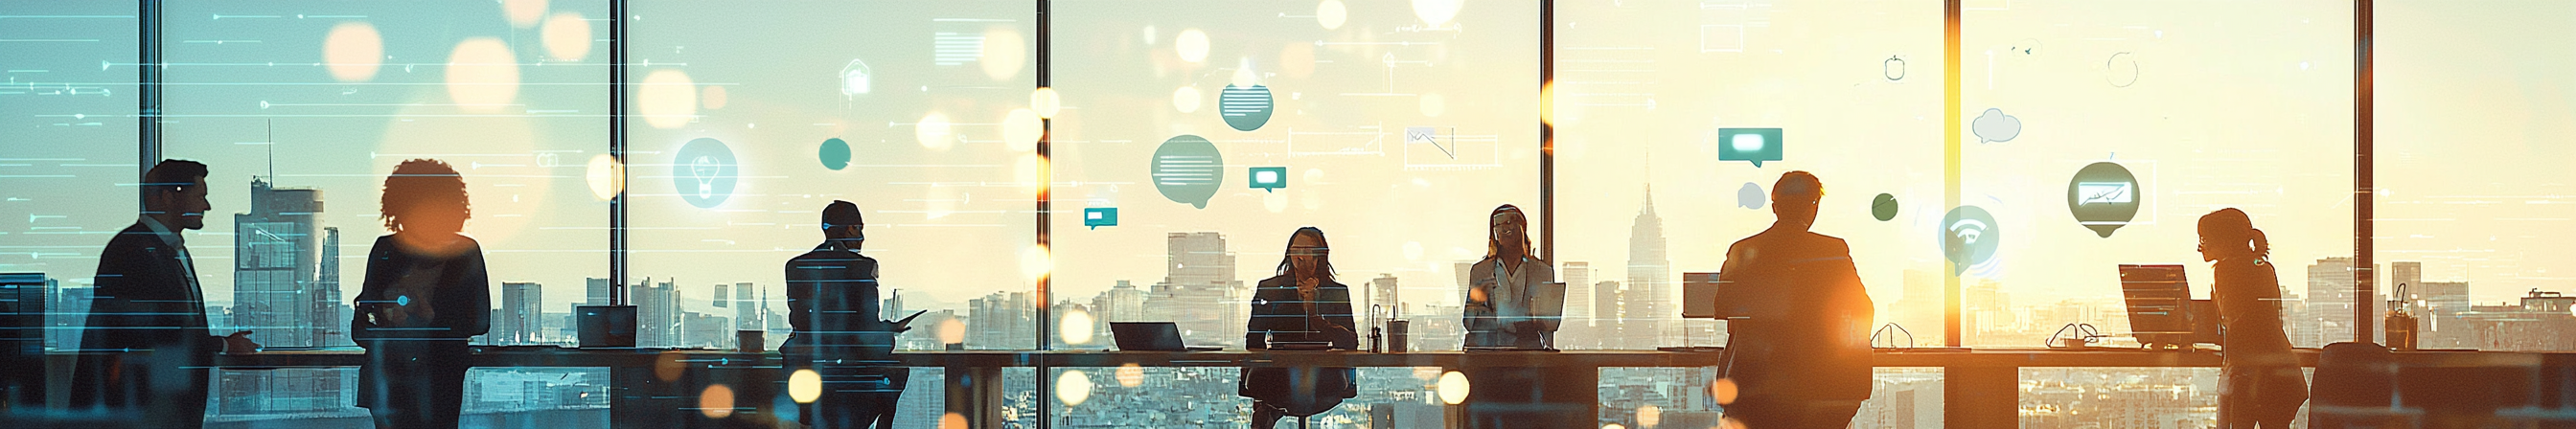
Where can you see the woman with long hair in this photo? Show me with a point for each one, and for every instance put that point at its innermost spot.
(426, 292)
(1503, 289)
(1301, 305)
(2261, 385)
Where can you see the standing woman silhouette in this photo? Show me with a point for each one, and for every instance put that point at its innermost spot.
(425, 293)
(2261, 385)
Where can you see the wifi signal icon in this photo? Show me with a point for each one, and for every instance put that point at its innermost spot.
(1968, 237)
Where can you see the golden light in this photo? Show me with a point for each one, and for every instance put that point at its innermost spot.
(607, 177)
(1186, 99)
(1331, 14)
(952, 421)
(712, 98)
(1723, 390)
(1076, 326)
(1045, 102)
(1021, 129)
(1547, 103)
(1453, 388)
(1244, 76)
(667, 99)
(1073, 387)
(352, 51)
(482, 76)
(1025, 172)
(1004, 53)
(1192, 45)
(523, 13)
(567, 36)
(932, 131)
(1649, 415)
(805, 386)
(951, 331)
(1437, 12)
(716, 402)
(1036, 262)
(668, 367)
(1613, 426)
(1729, 423)
(1130, 375)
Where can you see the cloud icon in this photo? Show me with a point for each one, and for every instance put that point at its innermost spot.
(1750, 196)
(1995, 126)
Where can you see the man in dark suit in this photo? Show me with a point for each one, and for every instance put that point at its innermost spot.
(838, 331)
(1799, 353)
(146, 347)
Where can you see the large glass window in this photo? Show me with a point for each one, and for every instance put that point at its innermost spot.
(67, 97)
(2471, 170)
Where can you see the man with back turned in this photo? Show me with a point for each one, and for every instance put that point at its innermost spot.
(838, 333)
(1799, 353)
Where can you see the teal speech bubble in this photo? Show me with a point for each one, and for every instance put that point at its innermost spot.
(1185, 170)
(2103, 197)
(1269, 178)
(1245, 109)
(1968, 237)
(1754, 145)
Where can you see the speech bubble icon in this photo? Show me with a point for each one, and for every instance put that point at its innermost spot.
(1751, 196)
(1883, 207)
(1748, 144)
(1245, 109)
(1186, 168)
(1995, 126)
(1268, 178)
(2104, 197)
(1968, 237)
(1096, 217)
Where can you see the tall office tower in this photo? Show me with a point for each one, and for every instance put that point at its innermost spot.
(1206, 299)
(277, 252)
(1001, 322)
(1609, 318)
(1578, 293)
(1985, 308)
(522, 316)
(2408, 275)
(68, 312)
(746, 309)
(1122, 303)
(336, 312)
(1651, 313)
(1382, 296)
(597, 292)
(2330, 298)
(893, 308)
(1924, 308)
(2442, 327)
(657, 314)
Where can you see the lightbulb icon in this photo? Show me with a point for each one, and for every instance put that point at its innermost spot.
(705, 169)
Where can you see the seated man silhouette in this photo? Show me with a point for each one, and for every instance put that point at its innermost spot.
(838, 332)
(1799, 350)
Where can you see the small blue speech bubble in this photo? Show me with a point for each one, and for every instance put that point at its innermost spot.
(1097, 217)
(1185, 170)
(1968, 237)
(1754, 145)
(1269, 178)
(1751, 196)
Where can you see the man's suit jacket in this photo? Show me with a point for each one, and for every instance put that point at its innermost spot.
(1799, 317)
(145, 302)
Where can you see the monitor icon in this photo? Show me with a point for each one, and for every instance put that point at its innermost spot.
(1097, 217)
(1269, 178)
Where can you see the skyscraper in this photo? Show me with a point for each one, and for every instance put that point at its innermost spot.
(1122, 303)
(2443, 303)
(1578, 293)
(657, 314)
(1650, 312)
(522, 318)
(335, 313)
(277, 286)
(746, 309)
(1199, 290)
(2330, 298)
(1924, 308)
(598, 292)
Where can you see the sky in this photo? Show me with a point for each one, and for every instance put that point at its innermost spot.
(2209, 104)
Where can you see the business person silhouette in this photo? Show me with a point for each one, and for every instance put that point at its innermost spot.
(1502, 293)
(1302, 304)
(2260, 381)
(1799, 319)
(146, 347)
(838, 330)
(426, 292)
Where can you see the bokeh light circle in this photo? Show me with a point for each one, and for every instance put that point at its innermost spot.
(1045, 102)
(951, 331)
(606, 176)
(567, 36)
(713, 97)
(716, 401)
(1649, 415)
(1036, 262)
(666, 99)
(1192, 45)
(835, 154)
(805, 386)
(482, 76)
(1131, 375)
(1453, 388)
(523, 13)
(1021, 129)
(933, 131)
(1075, 326)
(952, 421)
(1331, 14)
(352, 51)
(1073, 387)
(1723, 390)
(1186, 99)
(1437, 12)
(1005, 52)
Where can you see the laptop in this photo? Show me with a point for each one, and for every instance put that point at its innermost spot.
(1152, 336)
(2161, 311)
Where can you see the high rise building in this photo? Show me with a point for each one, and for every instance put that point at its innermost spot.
(522, 318)
(598, 292)
(277, 281)
(1122, 303)
(1199, 290)
(1924, 308)
(2330, 299)
(1578, 293)
(746, 307)
(2442, 326)
(67, 314)
(657, 314)
(1001, 322)
(1651, 314)
(1609, 318)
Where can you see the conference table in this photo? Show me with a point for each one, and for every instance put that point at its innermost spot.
(665, 388)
